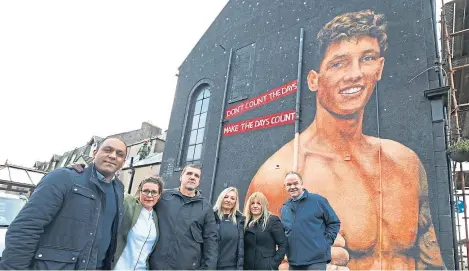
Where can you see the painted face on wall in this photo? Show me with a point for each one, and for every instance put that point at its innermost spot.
(347, 75)
(190, 178)
(149, 195)
(229, 200)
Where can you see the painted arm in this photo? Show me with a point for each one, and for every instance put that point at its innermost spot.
(429, 251)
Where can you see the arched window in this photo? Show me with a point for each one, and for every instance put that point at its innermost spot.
(196, 129)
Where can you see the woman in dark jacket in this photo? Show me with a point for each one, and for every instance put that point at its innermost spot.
(230, 230)
(264, 239)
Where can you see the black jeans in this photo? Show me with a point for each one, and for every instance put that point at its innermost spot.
(314, 266)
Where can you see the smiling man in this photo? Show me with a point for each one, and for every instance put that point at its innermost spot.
(378, 187)
(311, 226)
(189, 233)
(71, 219)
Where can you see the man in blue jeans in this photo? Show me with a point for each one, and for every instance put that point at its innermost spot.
(311, 226)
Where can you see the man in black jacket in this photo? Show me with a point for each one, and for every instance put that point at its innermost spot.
(71, 219)
(187, 227)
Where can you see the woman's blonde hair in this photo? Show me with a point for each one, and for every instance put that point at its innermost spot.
(265, 214)
(217, 208)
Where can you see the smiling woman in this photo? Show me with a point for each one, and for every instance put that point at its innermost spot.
(230, 230)
(265, 241)
(139, 232)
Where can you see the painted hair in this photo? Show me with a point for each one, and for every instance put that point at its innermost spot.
(354, 25)
(156, 180)
(265, 214)
(217, 207)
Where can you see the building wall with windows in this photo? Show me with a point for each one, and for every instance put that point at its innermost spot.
(250, 61)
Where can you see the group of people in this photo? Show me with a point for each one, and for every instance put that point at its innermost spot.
(79, 218)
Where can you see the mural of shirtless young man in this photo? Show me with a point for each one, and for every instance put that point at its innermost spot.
(378, 187)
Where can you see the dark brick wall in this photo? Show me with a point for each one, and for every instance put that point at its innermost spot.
(398, 110)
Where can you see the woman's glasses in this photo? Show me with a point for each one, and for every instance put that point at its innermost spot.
(147, 192)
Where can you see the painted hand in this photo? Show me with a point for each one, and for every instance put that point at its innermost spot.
(340, 256)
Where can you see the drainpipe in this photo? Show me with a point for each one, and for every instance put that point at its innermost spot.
(298, 101)
(222, 117)
(435, 37)
(452, 204)
(132, 174)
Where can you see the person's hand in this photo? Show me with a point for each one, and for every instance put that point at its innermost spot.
(339, 255)
(78, 167)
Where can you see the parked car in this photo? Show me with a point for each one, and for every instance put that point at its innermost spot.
(10, 206)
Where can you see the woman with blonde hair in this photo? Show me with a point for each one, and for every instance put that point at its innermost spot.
(230, 223)
(264, 239)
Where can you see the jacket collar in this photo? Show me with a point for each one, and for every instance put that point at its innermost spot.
(302, 197)
(93, 177)
(239, 217)
(100, 176)
(198, 194)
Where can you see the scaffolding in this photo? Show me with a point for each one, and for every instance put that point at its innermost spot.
(453, 37)
(19, 180)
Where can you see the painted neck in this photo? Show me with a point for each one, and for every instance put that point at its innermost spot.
(340, 134)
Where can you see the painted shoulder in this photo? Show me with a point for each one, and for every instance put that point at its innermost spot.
(398, 152)
(277, 165)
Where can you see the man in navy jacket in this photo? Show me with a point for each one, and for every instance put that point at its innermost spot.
(311, 226)
(71, 219)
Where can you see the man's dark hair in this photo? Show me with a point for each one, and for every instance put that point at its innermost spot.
(294, 173)
(156, 180)
(354, 25)
(192, 166)
(99, 143)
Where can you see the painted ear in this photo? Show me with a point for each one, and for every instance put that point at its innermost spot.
(313, 77)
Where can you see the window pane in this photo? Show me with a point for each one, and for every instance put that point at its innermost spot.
(206, 93)
(200, 96)
(200, 136)
(203, 119)
(190, 153)
(195, 122)
(198, 151)
(198, 106)
(193, 137)
(205, 105)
